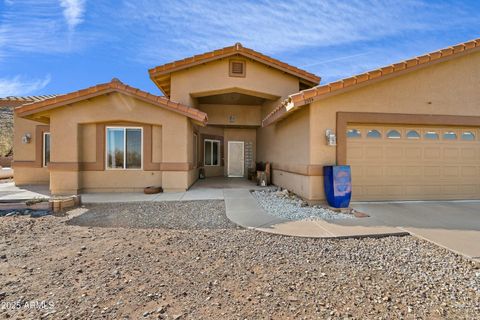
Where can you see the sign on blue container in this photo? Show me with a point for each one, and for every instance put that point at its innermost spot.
(338, 185)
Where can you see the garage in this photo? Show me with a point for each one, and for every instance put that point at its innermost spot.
(393, 162)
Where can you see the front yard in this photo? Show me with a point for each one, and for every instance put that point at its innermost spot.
(208, 268)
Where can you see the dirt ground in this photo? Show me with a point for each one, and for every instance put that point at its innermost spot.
(53, 270)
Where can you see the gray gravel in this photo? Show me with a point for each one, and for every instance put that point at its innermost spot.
(168, 214)
(287, 205)
(128, 273)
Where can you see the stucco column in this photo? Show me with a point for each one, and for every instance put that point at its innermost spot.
(64, 155)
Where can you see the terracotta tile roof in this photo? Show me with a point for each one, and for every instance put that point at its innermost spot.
(308, 96)
(161, 74)
(113, 86)
(14, 101)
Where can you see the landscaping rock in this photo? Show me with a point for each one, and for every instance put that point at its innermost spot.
(289, 206)
(241, 274)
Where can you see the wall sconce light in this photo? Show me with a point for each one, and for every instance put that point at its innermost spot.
(331, 137)
(27, 137)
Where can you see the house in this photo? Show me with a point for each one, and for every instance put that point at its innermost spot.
(409, 130)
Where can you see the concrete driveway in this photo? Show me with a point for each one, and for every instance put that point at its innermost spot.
(454, 225)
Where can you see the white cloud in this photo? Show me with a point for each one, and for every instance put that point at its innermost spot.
(39, 26)
(173, 29)
(20, 85)
(73, 11)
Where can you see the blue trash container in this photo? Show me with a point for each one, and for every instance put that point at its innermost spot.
(337, 181)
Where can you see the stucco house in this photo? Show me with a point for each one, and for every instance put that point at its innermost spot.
(409, 130)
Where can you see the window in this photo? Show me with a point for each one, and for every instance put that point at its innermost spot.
(468, 136)
(195, 150)
(46, 148)
(449, 135)
(124, 148)
(412, 134)
(431, 135)
(237, 68)
(375, 134)
(212, 152)
(393, 134)
(353, 133)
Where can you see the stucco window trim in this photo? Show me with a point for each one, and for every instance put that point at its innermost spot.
(211, 150)
(107, 168)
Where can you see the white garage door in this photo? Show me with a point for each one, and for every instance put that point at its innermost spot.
(414, 163)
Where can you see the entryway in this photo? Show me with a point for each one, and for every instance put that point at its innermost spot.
(236, 159)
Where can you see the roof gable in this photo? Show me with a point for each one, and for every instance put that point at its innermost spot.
(115, 85)
(161, 75)
(305, 97)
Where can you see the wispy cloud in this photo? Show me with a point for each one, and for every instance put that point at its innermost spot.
(39, 26)
(73, 11)
(20, 85)
(168, 30)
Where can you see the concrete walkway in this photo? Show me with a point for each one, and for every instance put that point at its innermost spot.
(11, 193)
(242, 209)
(454, 225)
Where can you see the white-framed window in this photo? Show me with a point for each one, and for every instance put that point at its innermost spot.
(124, 147)
(211, 152)
(46, 149)
(195, 150)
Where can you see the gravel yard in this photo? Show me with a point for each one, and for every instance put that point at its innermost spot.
(183, 215)
(289, 206)
(220, 272)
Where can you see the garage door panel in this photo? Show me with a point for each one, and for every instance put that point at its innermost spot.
(450, 171)
(432, 171)
(413, 171)
(414, 168)
(432, 153)
(394, 153)
(450, 153)
(469, 153)
(469, 171)
(413, 153)
(374, 152)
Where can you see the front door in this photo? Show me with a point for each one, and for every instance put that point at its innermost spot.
(236, 158)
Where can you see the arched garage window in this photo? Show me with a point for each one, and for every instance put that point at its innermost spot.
(449, 135)
(393, 134)
(353, 133)
(375, 134)
(468, 136)
(431, 135)
(412, 134)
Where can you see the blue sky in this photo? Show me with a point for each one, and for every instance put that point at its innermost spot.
(58, 46)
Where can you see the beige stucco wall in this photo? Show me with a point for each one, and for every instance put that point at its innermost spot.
(215, 76)
(286, 146)
(447, 88)
(245, 115)
(73, 141)
(27, 153)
